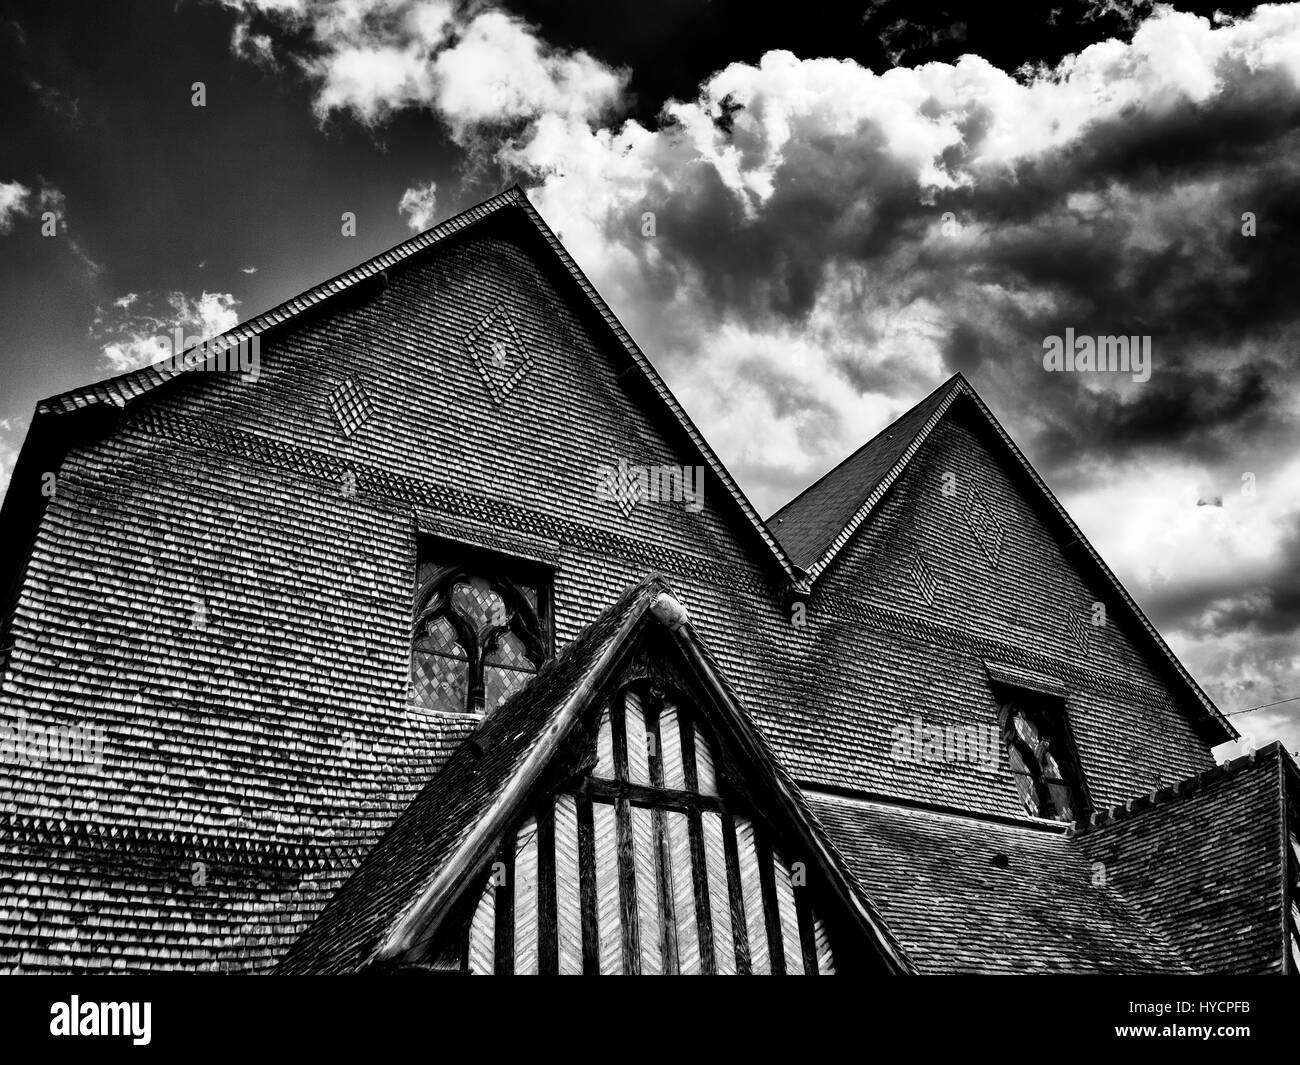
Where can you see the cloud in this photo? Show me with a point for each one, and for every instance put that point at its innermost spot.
(808, 246)
(135, 331)
(12, 431)
(476, 68)
(498, 72)
(15, 203)
(419, 204)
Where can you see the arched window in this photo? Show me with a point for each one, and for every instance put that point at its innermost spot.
(1042, 762)
(477, 640)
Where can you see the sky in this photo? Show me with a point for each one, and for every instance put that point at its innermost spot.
(807, 223)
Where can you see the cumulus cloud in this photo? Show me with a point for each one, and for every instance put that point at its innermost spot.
(477, 68)
(419, 205)
(135, 331)
(809, 246)
(15, 203)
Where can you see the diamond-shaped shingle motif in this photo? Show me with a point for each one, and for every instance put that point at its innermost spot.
(499, 354)
(351, 405)
(924, 577)
(1077, 630)
(623, 485)
(985, 525)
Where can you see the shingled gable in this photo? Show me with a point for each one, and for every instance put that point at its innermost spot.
(423, 867)
(99, 406)
(815, 526)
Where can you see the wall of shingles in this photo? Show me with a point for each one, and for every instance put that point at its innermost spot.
(923, 659)
(278, 731)
(1204, 867)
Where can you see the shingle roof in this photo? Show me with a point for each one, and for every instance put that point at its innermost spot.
(808, 524)
(1204, 862)
(393, 900)
(967, 895)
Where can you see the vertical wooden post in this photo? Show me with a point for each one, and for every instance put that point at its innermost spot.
(626, 848)
(771, 908)
(505, 911)
(736, 891)
(548, 950)
(587, 887)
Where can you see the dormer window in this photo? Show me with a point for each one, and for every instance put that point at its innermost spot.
(480, 634)
(1042, 758)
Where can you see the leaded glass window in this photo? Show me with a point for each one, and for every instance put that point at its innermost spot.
(478, 638)
(1043, 765)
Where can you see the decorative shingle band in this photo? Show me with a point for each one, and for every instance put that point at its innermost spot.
(1078, 631)
(231, 851)
(402, 492)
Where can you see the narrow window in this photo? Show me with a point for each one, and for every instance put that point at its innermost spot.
(1042, 757)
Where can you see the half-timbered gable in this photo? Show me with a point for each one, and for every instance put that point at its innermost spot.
(626, 819)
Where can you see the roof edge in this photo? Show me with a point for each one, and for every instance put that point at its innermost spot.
(1170, 794)
(956, 385)
(125, 388)
(421, 917)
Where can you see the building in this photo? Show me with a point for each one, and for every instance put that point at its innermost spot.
(447, 643)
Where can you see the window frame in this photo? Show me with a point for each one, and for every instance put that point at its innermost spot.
(1050, 715)
(450, 563)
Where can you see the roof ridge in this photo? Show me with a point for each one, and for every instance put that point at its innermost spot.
(122, 389)
(1202, 706)
(1169, 794)
(145, 378)
(884, 431)
(896, 802)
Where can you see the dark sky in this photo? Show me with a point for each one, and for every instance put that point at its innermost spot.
(852, 201)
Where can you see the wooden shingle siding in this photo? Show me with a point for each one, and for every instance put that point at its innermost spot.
(272, 740)
(925, 659)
